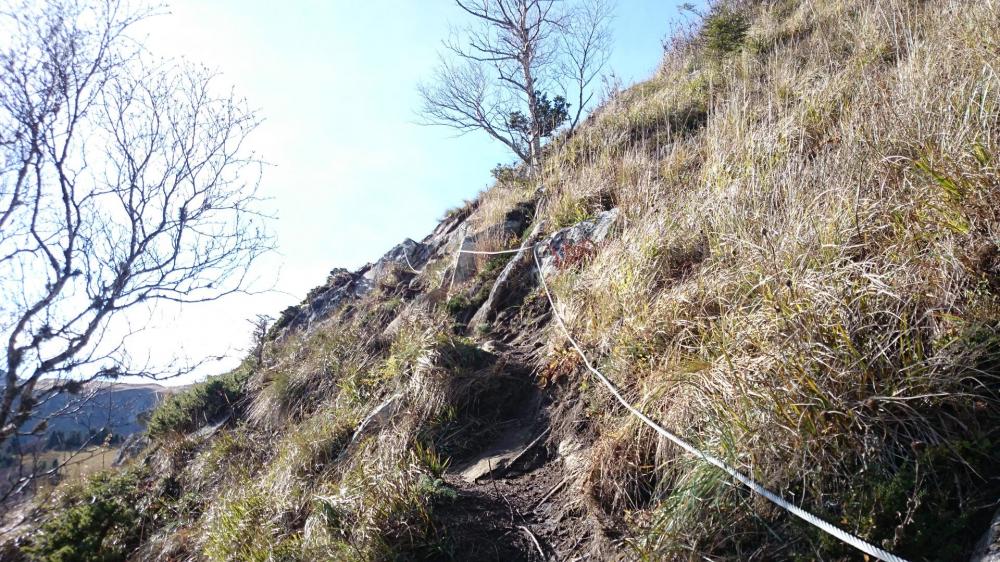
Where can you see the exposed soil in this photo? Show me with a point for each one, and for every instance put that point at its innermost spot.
(516, 502)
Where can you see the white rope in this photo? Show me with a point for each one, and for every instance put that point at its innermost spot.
(410, 265)
(844, 536)
(496, 253)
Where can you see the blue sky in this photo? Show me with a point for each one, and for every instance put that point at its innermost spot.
(352, 173)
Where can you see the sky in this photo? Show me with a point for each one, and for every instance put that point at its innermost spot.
(351, 172)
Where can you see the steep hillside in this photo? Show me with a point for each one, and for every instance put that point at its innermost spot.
(783, 247)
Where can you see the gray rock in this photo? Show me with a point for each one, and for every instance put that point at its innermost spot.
(592, 230)
(342, 285)
(408, 255)
(514, 223)
(988, 549)
(130, 448)
(377, 417)
(522, 261)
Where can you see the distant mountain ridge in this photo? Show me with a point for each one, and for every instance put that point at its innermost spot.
(108, 408)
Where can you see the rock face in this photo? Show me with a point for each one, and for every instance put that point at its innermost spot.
(523, 263)
(409, 256)
(341, 285)
(516, 268)
(988, 549)
(591, 230)
(514, 223)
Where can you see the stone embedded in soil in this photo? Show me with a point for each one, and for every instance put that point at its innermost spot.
(590, 230)
(496, 459)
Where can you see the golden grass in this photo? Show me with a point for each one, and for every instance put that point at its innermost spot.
(805, 282)
(802, 268)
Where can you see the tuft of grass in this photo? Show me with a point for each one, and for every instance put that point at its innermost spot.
(241, 527)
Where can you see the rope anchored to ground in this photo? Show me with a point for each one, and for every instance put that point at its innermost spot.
(747, 481)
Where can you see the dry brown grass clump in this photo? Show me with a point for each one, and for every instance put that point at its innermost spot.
(812, 267)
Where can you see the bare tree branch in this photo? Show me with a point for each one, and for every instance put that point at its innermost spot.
(122, 183)
(501, 67)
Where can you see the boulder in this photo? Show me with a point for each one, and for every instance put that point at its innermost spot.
(988, 549)
(591, 230)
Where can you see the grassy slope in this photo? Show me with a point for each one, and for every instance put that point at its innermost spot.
(808, 282)
(805, 281)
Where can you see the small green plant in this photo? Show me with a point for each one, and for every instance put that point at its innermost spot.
(101, 519)
(457, 304)
(504, 173)
(724, 32)
(435, 489)
(201, 404)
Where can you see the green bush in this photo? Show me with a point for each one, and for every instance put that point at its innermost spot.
(99, 520)
(724, 32)
(203, 403)
(457, 304)
(509, 174)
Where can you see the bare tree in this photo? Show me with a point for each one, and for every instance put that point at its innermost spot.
(258, 337)
(122, 183)
(586, 47)
(496, 75)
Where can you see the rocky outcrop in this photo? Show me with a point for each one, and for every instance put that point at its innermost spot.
(513, 272)
(589, 231)
(512, 278)
(341, 285)
(514, 223)
(988, 549)
(408, 256)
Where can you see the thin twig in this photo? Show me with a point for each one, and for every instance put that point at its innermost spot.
(551, 492)
(534, 540)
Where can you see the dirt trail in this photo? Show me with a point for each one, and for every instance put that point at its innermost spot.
(515, 499)
(499, 487)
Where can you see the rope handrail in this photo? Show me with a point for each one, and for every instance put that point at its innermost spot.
(490, 253)
(406, 256)
(747, 481)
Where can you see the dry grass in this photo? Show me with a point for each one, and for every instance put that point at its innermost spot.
(800, 285)
(805, 282)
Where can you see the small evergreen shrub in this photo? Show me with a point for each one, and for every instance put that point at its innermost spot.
(724, 32)
(99, 520)
(199, 405)
(508, 174)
